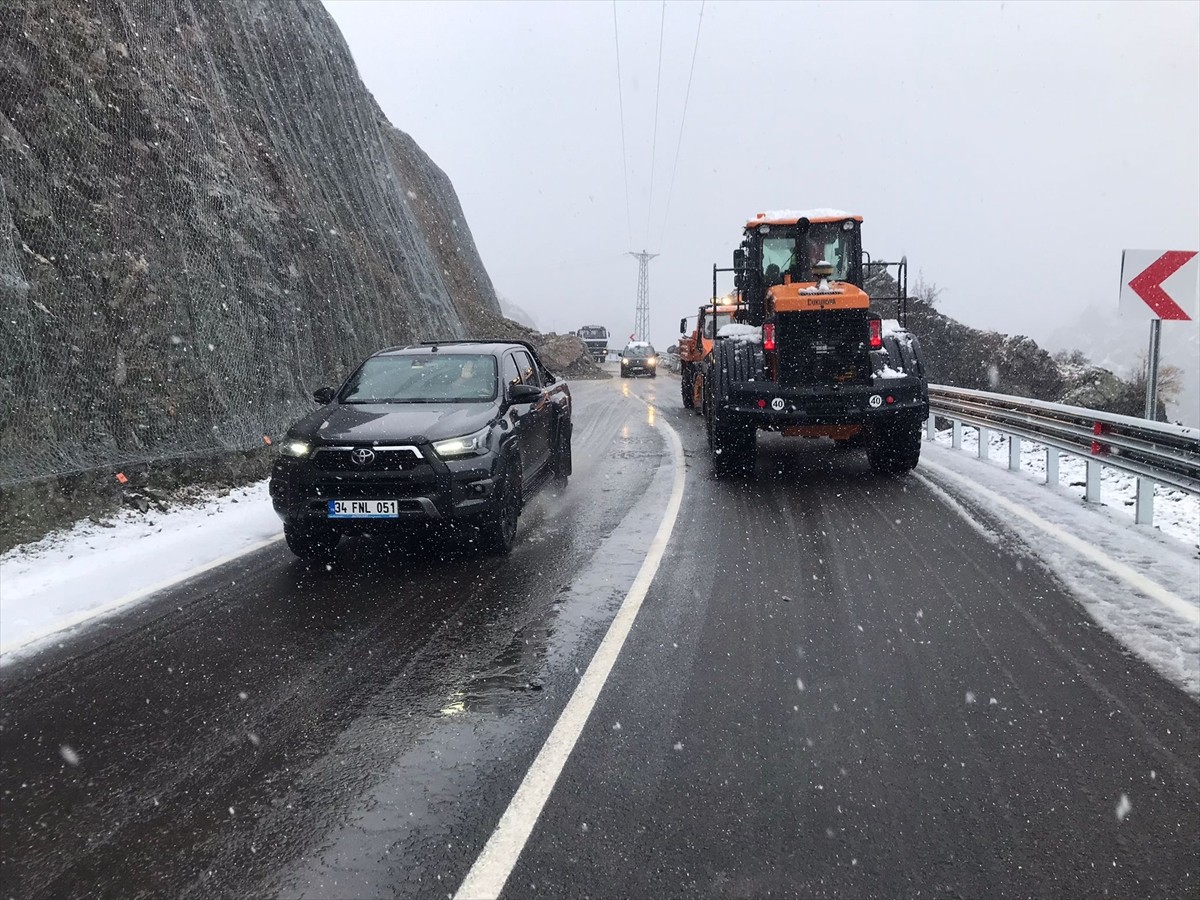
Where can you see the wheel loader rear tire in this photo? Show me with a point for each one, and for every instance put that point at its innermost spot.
(895, 448)
(734, 444)
(734, 448)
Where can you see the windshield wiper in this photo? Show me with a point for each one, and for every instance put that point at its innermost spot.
(398, 400)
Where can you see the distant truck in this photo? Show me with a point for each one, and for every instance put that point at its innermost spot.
(595, 337)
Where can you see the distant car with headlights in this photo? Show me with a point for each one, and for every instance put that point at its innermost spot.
(454, 432)
(639, 358)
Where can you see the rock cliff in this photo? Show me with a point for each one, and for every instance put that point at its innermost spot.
(203, 214)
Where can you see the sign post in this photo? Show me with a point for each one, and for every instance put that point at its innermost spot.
(1157, 285)
(1152, 370)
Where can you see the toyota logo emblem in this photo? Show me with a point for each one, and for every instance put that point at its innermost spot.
(363, 456)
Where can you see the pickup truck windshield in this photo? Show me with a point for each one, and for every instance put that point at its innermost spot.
(440, 378)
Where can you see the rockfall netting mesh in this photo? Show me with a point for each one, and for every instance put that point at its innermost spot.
(203, 216)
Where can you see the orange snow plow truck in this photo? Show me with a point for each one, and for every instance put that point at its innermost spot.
(805, 350)
(694, 349)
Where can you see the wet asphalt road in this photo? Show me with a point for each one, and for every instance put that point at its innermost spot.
(836, 686)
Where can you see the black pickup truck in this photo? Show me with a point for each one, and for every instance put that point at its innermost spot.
(448, 432)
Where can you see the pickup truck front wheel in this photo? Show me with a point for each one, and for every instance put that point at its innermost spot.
(498, 533)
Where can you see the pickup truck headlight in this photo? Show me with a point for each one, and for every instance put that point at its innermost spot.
(467, 445)
(624, 362)
(652, 361)
(295, 449)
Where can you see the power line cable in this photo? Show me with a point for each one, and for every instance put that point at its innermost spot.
(682, 121)
(621, 104)
(657, 94)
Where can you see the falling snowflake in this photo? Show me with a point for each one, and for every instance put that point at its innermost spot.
(970, 697)
(69, 755)
(1123, 807)
(679, 745)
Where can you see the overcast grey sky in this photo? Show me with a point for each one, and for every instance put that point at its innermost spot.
(1011, 150)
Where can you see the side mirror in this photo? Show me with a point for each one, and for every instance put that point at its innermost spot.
(683, 325)
(324, 395)
(524, 393)
(739, 258)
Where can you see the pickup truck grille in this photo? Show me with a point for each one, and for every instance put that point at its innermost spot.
(383, 459)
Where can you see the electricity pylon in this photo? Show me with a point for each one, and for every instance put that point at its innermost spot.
(641, 319)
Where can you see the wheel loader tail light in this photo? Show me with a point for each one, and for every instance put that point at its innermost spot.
(762, 404)
(876, 334)
(769, 336)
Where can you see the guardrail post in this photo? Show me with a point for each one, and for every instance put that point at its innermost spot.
(1052, 466)
(930, 428)
(985, 441)
(1143, 511)
(1092, 490)
(1014, 453)
(956, 435)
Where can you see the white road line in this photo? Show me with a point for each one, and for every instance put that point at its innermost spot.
(491, 870)
(1133, 578)
(88, 615)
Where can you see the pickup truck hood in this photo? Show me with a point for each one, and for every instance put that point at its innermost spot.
(393, 423)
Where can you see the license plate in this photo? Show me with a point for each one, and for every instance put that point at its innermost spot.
(363, 509)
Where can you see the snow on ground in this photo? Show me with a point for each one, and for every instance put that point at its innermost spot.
(1140, 584)
(77, 575)
(1176, 512)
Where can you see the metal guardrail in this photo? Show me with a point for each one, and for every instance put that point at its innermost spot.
(1156, 452)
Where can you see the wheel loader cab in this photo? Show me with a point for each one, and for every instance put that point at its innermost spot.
(712, 321)
(782, 250)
